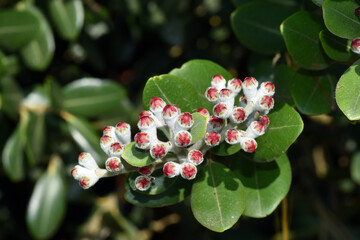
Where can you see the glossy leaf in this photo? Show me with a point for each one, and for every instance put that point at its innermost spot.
(17, 29)
(136, 157)
(38, 54)
(340, 18)
(35, 137)
(355, 168)
(338, 49)
(348, 92)
(199, 73)
(313, 92)
(173, 90)
(11, 96)
(47, 205)
(175, 194)
(217, 197)
(301, 33)
(199, 128)
(85, 136)
(68, 17)
(12, 156)
(266, 184)
(159, 185)
(283, 80)
(92, 97)
(285, 127)
(256, 25)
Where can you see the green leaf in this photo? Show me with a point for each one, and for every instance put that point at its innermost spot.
(355, 168)
(136, 157)
(173, 90)
(175, 194)
(199, 128)
(85, 136)
(11, 96)
(266, 184)
(68, 17)
(348, 92)
(285, 127)
(38, 54)
(92, 97)
(217, 197)
(54, 93)
(261, 67)
(256, 25)
(338, 49)
(318, 2)
(283, 80)
(340, 18)
(159, 185)
(35, 137)
(301, 33)
(12, 156)
(17, 29)
(47, 205)
(199, 74)
(313, 92)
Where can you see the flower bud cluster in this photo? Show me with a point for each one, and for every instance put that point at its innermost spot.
(228, 119)
(113, 143)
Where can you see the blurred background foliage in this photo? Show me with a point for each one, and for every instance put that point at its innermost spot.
(78, 66)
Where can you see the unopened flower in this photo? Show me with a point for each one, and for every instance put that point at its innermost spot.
(235, 85)
(185, 120)
(143, 183)
(171, 169)
(232, 136)
(158, 150)
(113, 164)
(221, 110)
(183, 138)
(238, 115)
(188, 171)
(142, 140)
(204, 112)
(86, 160)
(157, 104)
(215, 124)
(195, 157)
(146, 170)
(250, 85)
(212, 94)
(248, 144)
(355, 45)
(218, 82)
(212, 138)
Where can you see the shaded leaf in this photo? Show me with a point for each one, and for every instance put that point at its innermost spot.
(38, 54)
(68, 17)
(340, 18)
(355, 168)
(199, 128)
(53, 90)
(265, 184)
(199, 73)
(11, 96)
(175, 194)
(348, 92)
(283, 80)
(313, 92)
(173, 90)
(338, 49)
(12, 156)
(17, 29)
(47, 205)
(136, 157)
(301, 33)
(256, 25)
(92, 97)
(217, 197)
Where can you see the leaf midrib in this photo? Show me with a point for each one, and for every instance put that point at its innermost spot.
(216, 195)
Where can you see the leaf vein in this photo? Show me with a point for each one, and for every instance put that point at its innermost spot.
(216, 196)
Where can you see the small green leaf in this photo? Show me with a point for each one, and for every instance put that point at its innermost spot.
(12, 156)
(266, 184)
(199, 128)
(68, 17)
(256, 25)
(17, 29)
(283, 80)
(285, 127)
(136, 157)
(313, 92)
(348, 92)
(173, 90)
(85, 136)
(338, 49)
(199, 73)
(47, 205)
(175, 194)
(38, 54)
(159, 185)
(301, 33)
(53, 90)
(340, 18)
(217, 197)
(92, 97)
(11, 96)
(355, 168)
